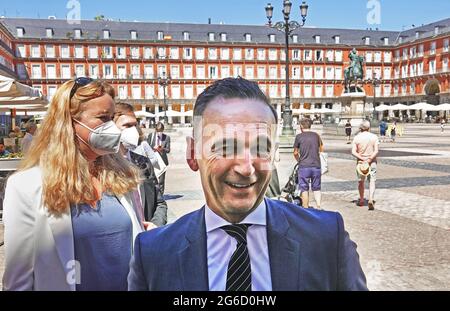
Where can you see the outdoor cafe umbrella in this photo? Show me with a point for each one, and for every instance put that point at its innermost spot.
(382, 107)
(399, 107)
(143, 114)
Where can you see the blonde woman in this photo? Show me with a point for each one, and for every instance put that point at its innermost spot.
(69, 220)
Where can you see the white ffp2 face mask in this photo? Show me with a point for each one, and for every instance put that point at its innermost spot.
(104, 139)
(130, 138)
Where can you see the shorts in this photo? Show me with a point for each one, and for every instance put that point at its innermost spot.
(307, 175)
(372, 172)
(348, 132)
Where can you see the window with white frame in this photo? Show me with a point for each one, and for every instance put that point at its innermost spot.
(387, 57)
(36, 72)
(404, 71)
(49, 32)
(307, 91)
(225, 53)
(404, 88)
(445, 64)
(307, 72)
(420, 54)
(187, 53)
(273, 72)
(318, 74)
(337, 39)
(396, 73)
(50, 50)
(294, 38)
(225, 72)
(377, 71)
(136, 92)
(200, 53)
(161, 91)
(395, 89)
(377, 56)
(283, 55)
(367, 40)
(65, 72)
(51, 71)
(386, 41)
(319, 55)
(420, 69)
(133, 34)
(433, 48)
(446, 45)
(237, 71)
(296, 72)
(295, 54)
(261, 54)
(79, 71)
(387, 73)
(296, 91)
(35, 51)
(248, 37)
(135, 52)
(174, 53)
(162, 72)
(107, 52)
(123, 91)
(51, 90)
(338, 55)
(369, 72)
(186, 36)
(432, 66)
(249, 72)
(93, 52)
(307, 55)
(148, 72)
(136, 71)
(412, 88)
(317, 39)
(187, 70)
(283, 90)
(148, 52)
(200, 89)
(368, 57)
(212, 53)
(93, 71)
(20, 50)
(272, 38)
(20, 32)
(329, 75)
(211, 36)
(405, 53)
(329, 56)
(107, 72)
(272, 54)
(237, 54)
(413, 70)
(329, 90)
(122, 71)
(149, 92)
(200, 72)
(188, 91)
(318, 91)
(273, 91)
(106, 34)
(175, 71)
(79, 52)
(283, 73)
(387, 90)
(176, 93)
(223, 37)
(249, 54)
(77, 33)
(378, 90)
(161, 52)
(160, 35)
(338, 73)
(413, 52)
(121, 52)
(261, 72)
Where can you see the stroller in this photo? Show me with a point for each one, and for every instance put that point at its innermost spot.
(291, 188)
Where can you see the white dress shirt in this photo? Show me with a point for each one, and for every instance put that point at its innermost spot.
(26, 143)
(220, 247)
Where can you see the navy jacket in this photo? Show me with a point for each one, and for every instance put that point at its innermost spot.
(308, 250)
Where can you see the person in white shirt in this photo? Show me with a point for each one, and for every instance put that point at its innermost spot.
(30, 129)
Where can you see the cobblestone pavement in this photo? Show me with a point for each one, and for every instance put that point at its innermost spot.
(405, 243)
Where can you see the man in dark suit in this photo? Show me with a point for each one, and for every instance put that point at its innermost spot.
(241, 241)
(160, 142)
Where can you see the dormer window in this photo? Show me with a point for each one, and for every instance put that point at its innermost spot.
(186, 36)
(160, 35)
(295, 38)
(337, 39)
(77, 33)
(133, 35)
(223, 37)
(436, 30)
(400, 39)
(367, 40)
(386, 41)
(211, 36)
(272, 38)
(106, 34)
(417, 34)
(317, 39)
(248, 37)
(20, 31)
(49, 32)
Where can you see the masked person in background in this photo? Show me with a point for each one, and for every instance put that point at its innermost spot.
(69, 218)
(141, 154)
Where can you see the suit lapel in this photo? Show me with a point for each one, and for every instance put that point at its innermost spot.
(284, 251)
(61, 227)
(192, 258)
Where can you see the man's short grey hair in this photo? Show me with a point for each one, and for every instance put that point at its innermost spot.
(365, 125)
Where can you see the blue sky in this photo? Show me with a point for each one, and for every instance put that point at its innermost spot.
(395, 14)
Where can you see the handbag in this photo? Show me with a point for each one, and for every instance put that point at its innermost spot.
(323, 162)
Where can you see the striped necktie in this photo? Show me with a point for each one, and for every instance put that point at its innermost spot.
(239, 273)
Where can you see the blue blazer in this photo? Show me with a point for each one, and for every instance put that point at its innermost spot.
(308, 250)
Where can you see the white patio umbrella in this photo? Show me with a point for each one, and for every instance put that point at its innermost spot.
(422, 106)
(443, 107)
(382, 107)
(172, 113)
(143, 114)
(399, 107)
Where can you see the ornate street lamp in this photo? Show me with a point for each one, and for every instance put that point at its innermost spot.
(287, 27)
(164, 81)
